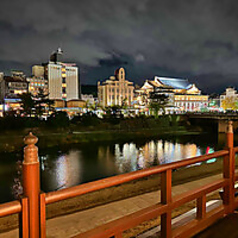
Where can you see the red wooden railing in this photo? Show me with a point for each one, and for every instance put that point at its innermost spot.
(32, 207)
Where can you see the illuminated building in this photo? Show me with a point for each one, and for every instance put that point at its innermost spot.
(76, 104)
(37, 83)
(62, 78)
(59, 80)
(11, 87)
(116, 90)
(229, 99)
(38, 70)
(182, 95)
(88, 98)
(188, 102)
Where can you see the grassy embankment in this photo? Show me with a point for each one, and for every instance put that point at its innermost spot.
(90, 129)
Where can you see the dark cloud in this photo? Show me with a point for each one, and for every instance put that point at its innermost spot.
(189, 38)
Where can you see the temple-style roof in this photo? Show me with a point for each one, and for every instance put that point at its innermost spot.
(176, 83)
(154, 84)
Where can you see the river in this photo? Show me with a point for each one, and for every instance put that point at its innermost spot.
(76, 164)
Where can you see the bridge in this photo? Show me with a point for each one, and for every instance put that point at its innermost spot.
(220, 119)
(31, 207)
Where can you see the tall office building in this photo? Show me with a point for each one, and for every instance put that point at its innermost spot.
(61, 79)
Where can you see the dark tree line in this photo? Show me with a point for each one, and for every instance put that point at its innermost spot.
(36, 105)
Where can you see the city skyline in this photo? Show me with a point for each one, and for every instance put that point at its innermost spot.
(189, 39)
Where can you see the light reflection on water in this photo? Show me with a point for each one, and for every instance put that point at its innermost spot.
(68, 170)
(131, 158)
(65, 171)
(87, 164)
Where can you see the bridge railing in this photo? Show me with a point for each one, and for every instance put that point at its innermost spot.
(167, 203)
(32, 207)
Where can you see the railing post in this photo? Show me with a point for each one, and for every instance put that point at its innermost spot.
(31, 184)
(24, 219)
(229, 171)
(42, 216)
(166, 198)
(201, 207)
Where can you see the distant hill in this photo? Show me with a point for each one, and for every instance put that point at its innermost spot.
(89, 89)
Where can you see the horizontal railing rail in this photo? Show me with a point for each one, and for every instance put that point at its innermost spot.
(10, 208)
(236, 149)
(134, 219)
(67, 193)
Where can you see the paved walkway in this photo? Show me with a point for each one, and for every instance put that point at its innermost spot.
(70, 225)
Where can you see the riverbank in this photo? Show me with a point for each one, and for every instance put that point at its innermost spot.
(12, 141)
(120, 192)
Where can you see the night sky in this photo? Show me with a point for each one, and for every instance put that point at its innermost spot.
(197, 40)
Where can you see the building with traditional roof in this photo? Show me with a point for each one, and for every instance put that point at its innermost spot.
(183, 95)
(116, 90)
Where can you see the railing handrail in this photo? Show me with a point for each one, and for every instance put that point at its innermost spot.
(81, 189)
(10, 208)
(236, 149)
(157, 209)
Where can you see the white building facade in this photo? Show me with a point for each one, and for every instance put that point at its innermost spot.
(62, 81)
(186, 97)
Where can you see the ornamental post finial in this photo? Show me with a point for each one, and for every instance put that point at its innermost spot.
(30, 151)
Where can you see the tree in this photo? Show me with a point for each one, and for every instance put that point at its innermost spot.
(113, 113)
(27, 103)
(229, 103)
(158, 102)
(58, 120)
(41, 102)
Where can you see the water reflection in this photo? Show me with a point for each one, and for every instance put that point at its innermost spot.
(131, 158)
(65, 171)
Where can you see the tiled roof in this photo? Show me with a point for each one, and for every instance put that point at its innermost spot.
(176, 83)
